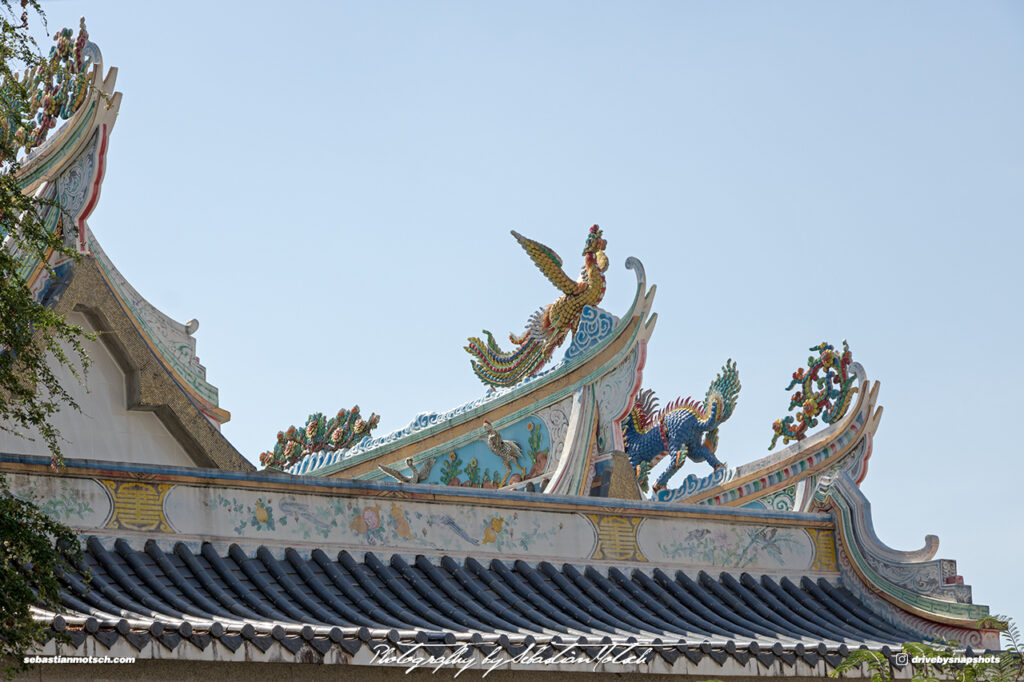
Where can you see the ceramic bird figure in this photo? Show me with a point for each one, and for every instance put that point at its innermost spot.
(508, 450)
(418, 475)
(547, 328)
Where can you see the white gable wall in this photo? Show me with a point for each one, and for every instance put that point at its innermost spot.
(105, 429)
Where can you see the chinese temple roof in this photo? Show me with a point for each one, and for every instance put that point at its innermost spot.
(539, 517)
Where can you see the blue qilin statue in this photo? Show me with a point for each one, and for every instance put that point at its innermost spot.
(684, 429)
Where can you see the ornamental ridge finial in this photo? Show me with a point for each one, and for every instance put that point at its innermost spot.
(320, 434)
(56, 87)
(826, 396)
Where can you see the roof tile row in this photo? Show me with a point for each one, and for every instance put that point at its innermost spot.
(172, 596)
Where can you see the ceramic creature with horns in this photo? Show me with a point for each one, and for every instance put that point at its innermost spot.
(684, 429)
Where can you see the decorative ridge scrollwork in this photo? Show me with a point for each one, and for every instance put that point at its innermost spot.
(58, 86)
(913, 578)
(842, 483)
(826, 396)
(320, 434)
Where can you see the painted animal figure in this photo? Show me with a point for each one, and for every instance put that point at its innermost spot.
(418, 475)
(685, 429)
(547, 328)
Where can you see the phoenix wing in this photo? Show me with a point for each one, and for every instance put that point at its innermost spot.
(548, 262)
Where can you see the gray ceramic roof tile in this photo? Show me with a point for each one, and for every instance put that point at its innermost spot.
(202, 599)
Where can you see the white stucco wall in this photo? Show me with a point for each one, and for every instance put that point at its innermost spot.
(105, 429)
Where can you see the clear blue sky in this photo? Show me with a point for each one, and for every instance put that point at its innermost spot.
(329, 190)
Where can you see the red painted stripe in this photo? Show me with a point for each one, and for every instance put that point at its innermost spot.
(97, 181)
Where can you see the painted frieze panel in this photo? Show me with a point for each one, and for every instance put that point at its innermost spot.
(399, 525)
(724, 545)
(75, 502)
(190, 512)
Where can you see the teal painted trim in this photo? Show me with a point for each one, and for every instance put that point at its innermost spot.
(927, 604)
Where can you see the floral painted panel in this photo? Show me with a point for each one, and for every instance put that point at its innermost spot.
(474, 466)
(724, 545)
(76, 502)
(375, 522)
